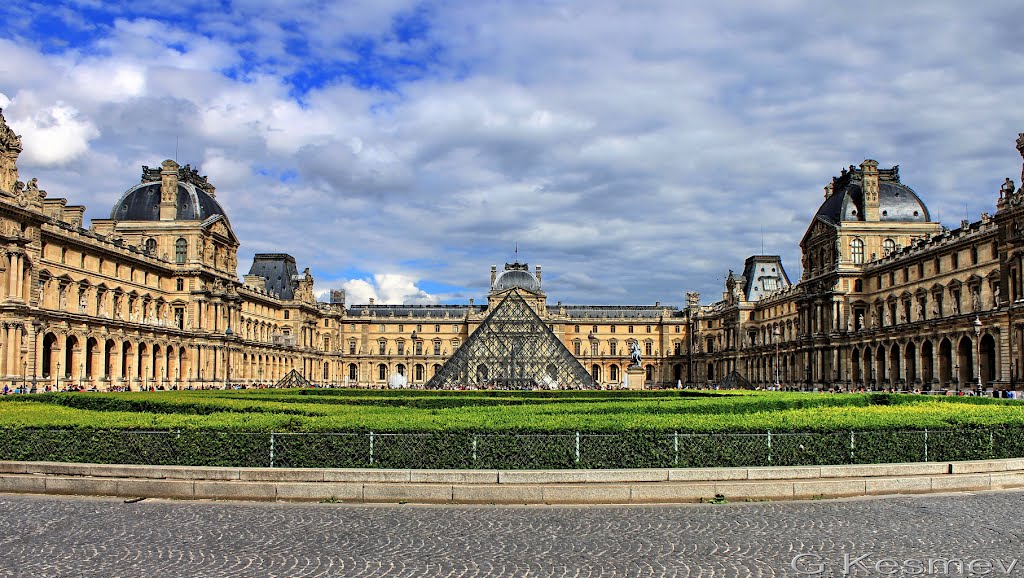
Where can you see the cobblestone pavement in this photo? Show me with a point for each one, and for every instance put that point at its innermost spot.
(51, 536)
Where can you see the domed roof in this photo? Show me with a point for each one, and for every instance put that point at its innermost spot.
(896, 201)
(516, 278)
(142, 202)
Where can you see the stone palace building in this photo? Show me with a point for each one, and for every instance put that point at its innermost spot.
(150, 297)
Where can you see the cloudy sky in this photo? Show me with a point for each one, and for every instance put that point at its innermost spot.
(635, 150)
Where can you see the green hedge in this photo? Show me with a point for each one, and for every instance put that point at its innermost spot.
(510, 450)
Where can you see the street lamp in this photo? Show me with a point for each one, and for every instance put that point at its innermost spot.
(778, 337)
(24, 376)
(56, 377)
(956, 377)
(977, 334)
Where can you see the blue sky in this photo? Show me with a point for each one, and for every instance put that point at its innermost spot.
(635, 150)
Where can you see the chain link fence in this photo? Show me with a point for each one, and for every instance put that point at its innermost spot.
(466, 450)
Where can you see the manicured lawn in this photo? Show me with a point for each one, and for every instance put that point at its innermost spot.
(493, 411)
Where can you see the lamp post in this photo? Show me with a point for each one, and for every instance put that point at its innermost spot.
(956, 377)
(977, 336)
(24, 376)
(56, 377)
(778, 337)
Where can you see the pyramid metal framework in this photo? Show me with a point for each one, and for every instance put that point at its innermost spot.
(293, 379)
(512, 348)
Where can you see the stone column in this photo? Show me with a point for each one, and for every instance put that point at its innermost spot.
(16, 276)
(5, 348)
(11, 275)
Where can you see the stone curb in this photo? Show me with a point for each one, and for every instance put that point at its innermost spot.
(508, 487)
(375, 475)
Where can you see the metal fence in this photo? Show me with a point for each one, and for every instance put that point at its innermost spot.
(464, 450)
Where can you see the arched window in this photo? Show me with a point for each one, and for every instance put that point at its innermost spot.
(151, 246)
(382, 372)
(888, 247)
(180, 250)
(857, 251)
(353, 372)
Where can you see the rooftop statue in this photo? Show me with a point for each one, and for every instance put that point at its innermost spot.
(10, 148)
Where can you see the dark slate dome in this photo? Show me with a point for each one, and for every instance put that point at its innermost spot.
(896, 201)
(516, 278)
(142, 202)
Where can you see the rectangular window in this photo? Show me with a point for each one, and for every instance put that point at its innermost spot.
(401, 348)
(613, 329)
(678, 328)
(437, 348)
(594, 329)
(383, 328)
(649, 348)
(180, 284)
(401, 328)
(455, 328)
(648, 329)
(613, 348)
(437, 329)
(419, 348)
(593, 349)
(382, 347)
(631, 329)
(576, 348)
(352, 347)
(351, 326)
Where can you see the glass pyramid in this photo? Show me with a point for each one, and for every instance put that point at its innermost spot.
(293, 379)
(512, 348)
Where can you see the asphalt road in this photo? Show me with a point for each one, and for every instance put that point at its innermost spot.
(949, 535)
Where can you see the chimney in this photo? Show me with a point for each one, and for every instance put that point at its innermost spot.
(869, 184)
(537, 269)
(494, 274)
(828, 190)
(168, 190)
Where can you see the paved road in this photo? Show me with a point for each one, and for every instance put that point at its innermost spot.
(48, 536)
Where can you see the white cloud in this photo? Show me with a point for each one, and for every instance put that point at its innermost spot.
(55, 134)
(609, 137)
(387, 289)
